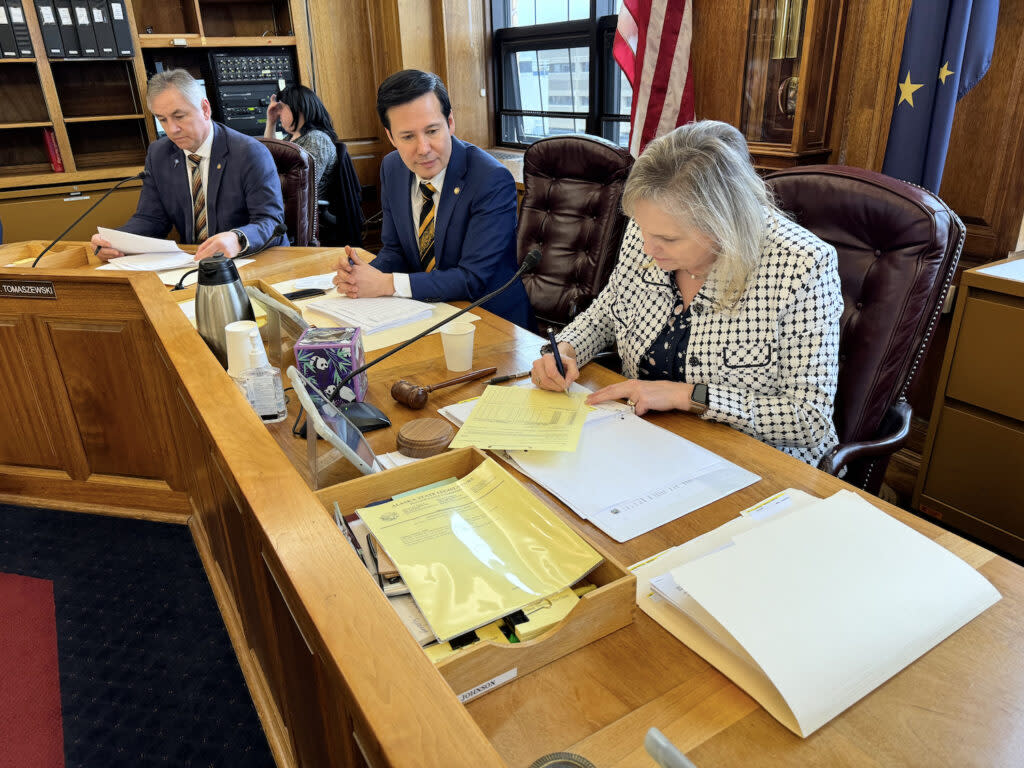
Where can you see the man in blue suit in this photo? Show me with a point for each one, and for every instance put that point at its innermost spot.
(449, 228)
(219, 188)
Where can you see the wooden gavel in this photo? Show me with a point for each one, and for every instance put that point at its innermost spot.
(415, 396)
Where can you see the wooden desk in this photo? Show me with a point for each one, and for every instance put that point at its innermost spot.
(332, 671)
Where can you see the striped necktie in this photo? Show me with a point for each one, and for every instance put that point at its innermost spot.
(198, 197)
(426, 233)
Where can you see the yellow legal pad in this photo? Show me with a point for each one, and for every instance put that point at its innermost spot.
(521, 419)
(478, 549)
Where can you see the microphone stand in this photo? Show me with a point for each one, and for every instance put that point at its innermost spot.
(530, 262)
(90, 209)
(372, 415)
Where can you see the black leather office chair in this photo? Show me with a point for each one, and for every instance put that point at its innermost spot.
(571, 212)
(298, 188)
(898, 248)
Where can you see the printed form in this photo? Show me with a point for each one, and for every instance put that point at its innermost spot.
(514, 418)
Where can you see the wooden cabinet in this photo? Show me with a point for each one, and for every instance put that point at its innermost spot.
(792, 62)
(973, 462)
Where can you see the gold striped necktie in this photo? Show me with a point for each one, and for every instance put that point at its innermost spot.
(426, 234)
(198, 197)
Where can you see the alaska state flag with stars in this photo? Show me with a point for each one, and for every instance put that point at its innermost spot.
(946, 51)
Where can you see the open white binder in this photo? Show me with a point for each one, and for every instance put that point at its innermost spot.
(810, 609)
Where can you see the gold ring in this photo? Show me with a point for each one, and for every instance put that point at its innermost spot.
(631, 404)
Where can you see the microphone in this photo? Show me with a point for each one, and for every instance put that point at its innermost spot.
(529, 263)
(279, 230)
(136, 177)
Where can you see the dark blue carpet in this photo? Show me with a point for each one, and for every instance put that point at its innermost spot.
(147, 672)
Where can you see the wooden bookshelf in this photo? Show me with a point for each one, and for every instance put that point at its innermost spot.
(96, 107)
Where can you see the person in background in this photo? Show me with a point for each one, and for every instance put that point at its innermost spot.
(719, 305)
(449, 209)
(217, 187)
(304, 118)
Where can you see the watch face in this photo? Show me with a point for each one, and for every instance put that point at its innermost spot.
(700, 394)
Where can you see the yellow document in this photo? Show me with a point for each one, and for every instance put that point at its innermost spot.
(478, 549)
(516, 418)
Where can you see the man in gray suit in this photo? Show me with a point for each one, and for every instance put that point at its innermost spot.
(219, 188)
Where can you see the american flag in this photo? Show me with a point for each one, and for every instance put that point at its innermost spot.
(652, 45)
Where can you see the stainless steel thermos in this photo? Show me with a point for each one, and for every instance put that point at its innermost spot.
(220, 299)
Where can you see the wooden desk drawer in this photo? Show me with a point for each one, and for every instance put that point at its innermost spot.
(977, 468)
(988, 369)
(484, 665)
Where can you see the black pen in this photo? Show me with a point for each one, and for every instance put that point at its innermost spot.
(96, 250)
(554, 351)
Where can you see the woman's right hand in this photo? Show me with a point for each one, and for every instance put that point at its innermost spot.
(545, 373)
(273, 116)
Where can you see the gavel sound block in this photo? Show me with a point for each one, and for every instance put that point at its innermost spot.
(415, 396)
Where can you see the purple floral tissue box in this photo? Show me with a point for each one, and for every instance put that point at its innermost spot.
(325, 356)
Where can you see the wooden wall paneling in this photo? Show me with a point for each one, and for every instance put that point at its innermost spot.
(437, 28)
(302, 29)
(467, 38)
(418, 33)
(872, 44)
(24, 422)
(718, 56)
(345, 75)
(983, 179)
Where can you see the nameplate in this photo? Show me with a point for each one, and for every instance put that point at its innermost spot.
(488, 686)
(27, 289)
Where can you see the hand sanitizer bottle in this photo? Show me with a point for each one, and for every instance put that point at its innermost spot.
(261, 383)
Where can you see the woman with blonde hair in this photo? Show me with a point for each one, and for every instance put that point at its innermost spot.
(719, 305)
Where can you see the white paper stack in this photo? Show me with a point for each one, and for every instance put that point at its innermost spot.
(811, 608)
(627, 476)
(373, 315)
(151, 262)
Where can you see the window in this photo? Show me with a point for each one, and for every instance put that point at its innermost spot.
(545, 82)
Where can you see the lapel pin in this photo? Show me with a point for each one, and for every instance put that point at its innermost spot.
(218, 166)
(457, 190)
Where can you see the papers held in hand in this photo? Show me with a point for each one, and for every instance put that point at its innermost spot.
(478, 549)
(811, 608)
(144, 253)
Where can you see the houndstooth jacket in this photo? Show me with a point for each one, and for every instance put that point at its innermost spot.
(770, 363)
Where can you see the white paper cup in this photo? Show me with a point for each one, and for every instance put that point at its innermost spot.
(237, 337)
(457, 339)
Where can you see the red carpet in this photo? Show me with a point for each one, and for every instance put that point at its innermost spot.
(30, 721)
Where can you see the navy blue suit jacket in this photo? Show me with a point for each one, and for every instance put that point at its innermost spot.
(474, 233)
(243, 191)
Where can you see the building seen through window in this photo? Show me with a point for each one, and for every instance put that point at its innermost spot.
(555, 72)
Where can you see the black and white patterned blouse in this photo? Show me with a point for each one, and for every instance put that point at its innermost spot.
(770, 363)
(666, 357)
